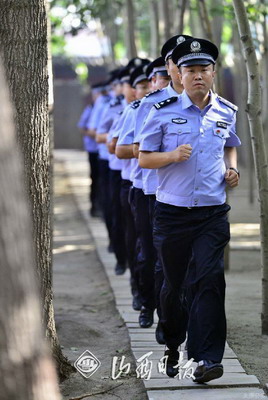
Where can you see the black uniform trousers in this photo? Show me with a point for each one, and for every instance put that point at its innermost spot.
(146, 256)
(94, 193)
(118, 237)
(180, 232)
(158, 270)
(129, 232)
(104, 173)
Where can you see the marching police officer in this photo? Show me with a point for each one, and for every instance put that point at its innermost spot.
(191, 140)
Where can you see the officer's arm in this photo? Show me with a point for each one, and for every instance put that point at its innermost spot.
(91, 133)
(101, 137)
(124, 151)
(136, 147)
(157, 159)
(154, 159)
(230, 158)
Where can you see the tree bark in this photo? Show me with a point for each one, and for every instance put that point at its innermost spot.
(130, 29)
(182, 6)
(154, 25)
(24, 45)
(26, 370)
(167, 24)
(265, 66)
(254, 108)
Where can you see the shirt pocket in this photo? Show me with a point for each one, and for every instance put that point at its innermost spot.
(219, 138)
(184, 135)
(175, 136)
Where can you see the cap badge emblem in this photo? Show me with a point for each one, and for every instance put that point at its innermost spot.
(138, 62)
(195, 46)
(180, 39)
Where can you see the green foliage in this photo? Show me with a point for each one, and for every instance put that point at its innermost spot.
(82, 72)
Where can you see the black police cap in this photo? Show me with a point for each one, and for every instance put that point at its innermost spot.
(195, 52)
(137, 62)
(156, 66)
(171, 44)
(138, 75)
(124, 75)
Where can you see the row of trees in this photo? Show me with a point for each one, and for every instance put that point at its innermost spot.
(26, 295)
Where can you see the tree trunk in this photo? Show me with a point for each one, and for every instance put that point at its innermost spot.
(167, 24)
(24, 45)
(265, 68)
(182, 6)
(259, 151)
(130, 29)
(154, 25)
(26, 370)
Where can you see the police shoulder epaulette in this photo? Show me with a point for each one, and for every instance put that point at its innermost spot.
(155, 91)
(115, 102)
(166, 102)
(228, 103)
(135, 104)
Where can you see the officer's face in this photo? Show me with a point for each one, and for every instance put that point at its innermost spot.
(128, 92)
(161, 81)
(142, 88)
(118, 89)
(197, 79)
(173, 72)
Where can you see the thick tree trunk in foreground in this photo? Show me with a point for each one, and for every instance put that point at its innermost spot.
(259, 150)
(23, 34)
(26, 370)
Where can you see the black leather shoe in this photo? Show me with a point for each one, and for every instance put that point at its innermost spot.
(119, 269)
(136, 302)
(172, 361)
(207, 370)
(146, 318)
(159, 334)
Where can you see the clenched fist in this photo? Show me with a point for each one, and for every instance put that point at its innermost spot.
(182, 153)
(231, 178)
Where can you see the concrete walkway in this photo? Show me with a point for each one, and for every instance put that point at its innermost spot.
(235, 383)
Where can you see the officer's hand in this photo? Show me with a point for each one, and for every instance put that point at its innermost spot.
(182, 153)
(231, 178)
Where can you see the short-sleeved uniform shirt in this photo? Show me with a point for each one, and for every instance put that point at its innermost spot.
(149, 176)
(199, 181)
(89, 143)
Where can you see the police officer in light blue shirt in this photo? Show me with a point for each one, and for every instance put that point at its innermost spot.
(161, 66)
(191, 140)
(91, 148)
(112, 189)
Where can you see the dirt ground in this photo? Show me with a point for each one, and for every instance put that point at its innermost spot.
(86, 316)
(85, 313)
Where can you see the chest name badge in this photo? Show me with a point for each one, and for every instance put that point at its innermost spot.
(179, 120)
(221, 124)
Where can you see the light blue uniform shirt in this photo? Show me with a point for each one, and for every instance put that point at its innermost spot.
(149, 176)
(110, 111)
(114, 163)
(198, 181)
(89, 143)
(131, 168)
